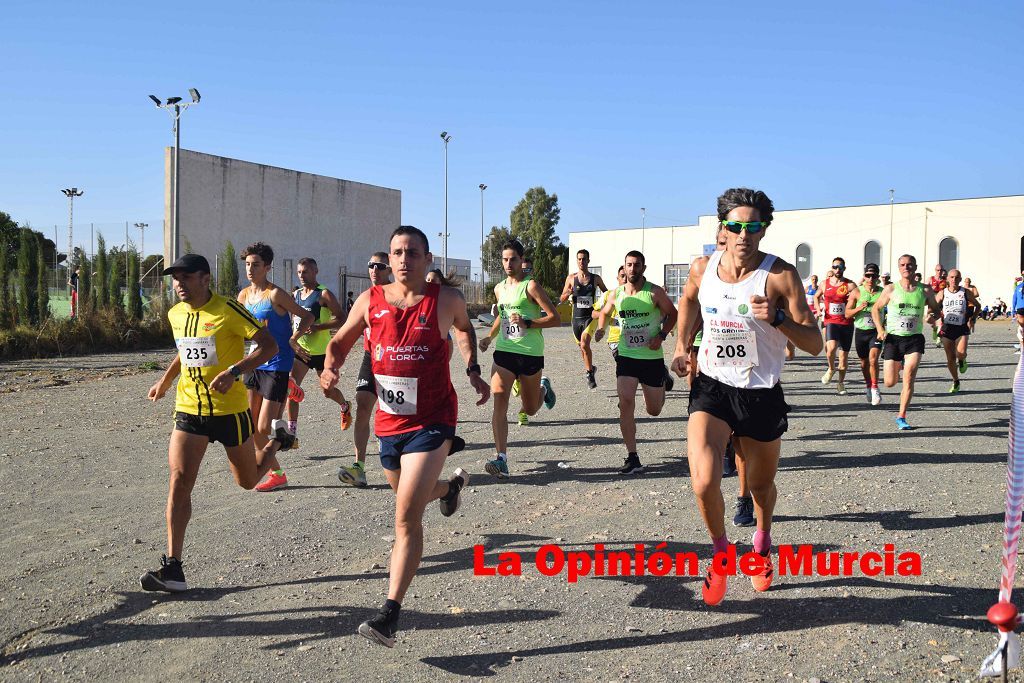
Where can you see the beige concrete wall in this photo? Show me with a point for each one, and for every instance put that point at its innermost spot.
(337, 222)
(988, 232)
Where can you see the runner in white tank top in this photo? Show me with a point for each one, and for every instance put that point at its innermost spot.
(955, 331)
(752, 303)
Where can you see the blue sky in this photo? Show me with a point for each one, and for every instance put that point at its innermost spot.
(611, 106)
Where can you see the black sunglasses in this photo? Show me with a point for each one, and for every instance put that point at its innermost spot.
(377, 265)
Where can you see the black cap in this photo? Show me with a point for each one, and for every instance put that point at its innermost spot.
(871, 268)
(190, 263)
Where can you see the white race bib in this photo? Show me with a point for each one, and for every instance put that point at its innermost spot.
(836, 309)
(197, 352)
(907, 323)
(511, 330)
(634, 337)
(397, 394)
(584, 302)
(250, 346)
(730, 342)
(869, 322)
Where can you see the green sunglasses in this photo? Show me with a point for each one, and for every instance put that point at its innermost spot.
(752, 227)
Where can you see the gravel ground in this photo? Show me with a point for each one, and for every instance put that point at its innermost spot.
(281, 580)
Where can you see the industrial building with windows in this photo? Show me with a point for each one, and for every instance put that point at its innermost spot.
(983, 237)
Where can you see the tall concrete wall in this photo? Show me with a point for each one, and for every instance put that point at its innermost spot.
(337, 222)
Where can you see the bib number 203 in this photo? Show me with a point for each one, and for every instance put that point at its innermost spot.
(730, 351)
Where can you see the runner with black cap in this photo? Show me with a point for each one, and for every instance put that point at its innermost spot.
(865, 338)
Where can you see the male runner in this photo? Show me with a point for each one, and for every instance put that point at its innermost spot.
(858, 308)
(268, 384)
(524, 310)
(955, 301)
(582, 286)
(210, 405)
(73, 286)
(646, 315)
(838, 328)
(972, 310)
(752, 302)
(379, 271)
(901, 335)
(418, 408)
(937, 282)
(612, 320)
(327, 314)
(812, 295)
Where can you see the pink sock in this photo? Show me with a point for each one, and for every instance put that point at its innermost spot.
(762, 541)
(720, 545)
(293, 425)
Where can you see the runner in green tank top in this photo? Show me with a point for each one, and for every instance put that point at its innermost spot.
(328, 316)
(524, 308)
(865, 340)
(906, 303)
(646, 316)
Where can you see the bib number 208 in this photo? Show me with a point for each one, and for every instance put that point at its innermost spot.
(737, 351)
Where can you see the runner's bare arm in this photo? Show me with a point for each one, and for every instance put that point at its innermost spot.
(600, 283)
(817, 297)
(876, 310)
(266, 348)
(606, 310)
(486, 341)
(799, 326)
(852, 309)
(566, 289)
(344, 339)
(689, 309)
(540, 296)
(465, 337)
(933, 303)
(337, 314)
(283, 301)
(971, 299)
(157, 391)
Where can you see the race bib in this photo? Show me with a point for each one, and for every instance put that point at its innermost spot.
(295, 324)
(954, 318)
(836, 309)
(869, 322)
(907, 323)
(730, 342)
(584, 302)
(397, 394)
(197, 352)
(635, 337)
(511, 330)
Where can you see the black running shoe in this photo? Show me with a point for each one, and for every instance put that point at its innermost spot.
(669, 382)
(632, 465)
(380, 629)
(729, 464)
(450, 503)
(744, 512)
(168, 578)
(591, 382)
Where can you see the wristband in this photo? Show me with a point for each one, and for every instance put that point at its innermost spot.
(235, 371)
(475, 367)
(529, 324)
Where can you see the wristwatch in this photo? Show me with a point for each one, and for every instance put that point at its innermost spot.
(528, 323)
(475, 367)
(780, 317)
(235, 371)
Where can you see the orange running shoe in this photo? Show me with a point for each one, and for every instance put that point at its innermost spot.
(346, 415)
(272, 482)
(713, 589)
(295, 392)
(763, 581)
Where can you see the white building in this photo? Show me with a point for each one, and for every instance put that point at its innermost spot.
(983, 237)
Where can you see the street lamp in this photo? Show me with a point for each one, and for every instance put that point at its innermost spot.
(643, 227)
(174, 107)
(444, 237)
(142, 239)
(71, 193)
(482, 188)
(924, 259)
(892, 196)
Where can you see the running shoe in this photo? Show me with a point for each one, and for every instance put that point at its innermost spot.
(449, 505)
(272, 482)
(963, 366)
(744, 512)
(295, 392)
(353, 475)
(523, 418)
(669, 382)
(591, 382)
(876, 396)
(902, 424)
(549, 393)
(729, 461)
(346, 415)
(827, 377)
(955, 388)
(168, 578)
(763, 580)
(515, 387)
(841, 388)
(497, 467)
(380, 629)
(282, 436)
(632, 465)
(713, 589)
(867, 393)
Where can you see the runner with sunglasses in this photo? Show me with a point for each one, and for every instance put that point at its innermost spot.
(838, 328)
(752, 302)
(858, 308)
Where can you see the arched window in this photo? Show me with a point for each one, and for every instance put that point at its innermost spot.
(949, 253)
(803, 260)
(873, 253)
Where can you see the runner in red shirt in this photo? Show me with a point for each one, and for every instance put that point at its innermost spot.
(938, 283)
(417, 406)
(838, 328)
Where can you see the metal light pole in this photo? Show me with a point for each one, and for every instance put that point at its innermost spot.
(174, 106)
(142, 238)
(71, 193)
(444, 237)
(643, 227)
(892, 196)
(924, 259)
(482, 188)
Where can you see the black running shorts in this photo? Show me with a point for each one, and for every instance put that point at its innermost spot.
(897, 348)
(519, 364)
(365, 381)
(578, 325)
(864, 341)
(270, 384)
(424, 440)
(954, 332)
(230, 430)
(841, 333)
(650, 371)
(315, 362)
(756, 413)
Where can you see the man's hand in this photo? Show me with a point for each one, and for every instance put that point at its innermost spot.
(880, 334)
(599, 335)
(300, 353)
(655, 342)
(222, 382)
(328, 379)
(157, 391)
(516, 318)
(484, 343)
(762, 309)
(482, 388)
(681, 364)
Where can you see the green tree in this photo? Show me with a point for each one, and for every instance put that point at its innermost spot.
(491, 255)
(134, 307)
(533, 222)
(86, 300)
(6, 312)
(28, 281)
(42, 280)
(101, 293)
(227, 278)
(116, 277)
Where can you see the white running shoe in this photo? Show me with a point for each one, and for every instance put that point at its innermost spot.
(876, 396)
(827, 377)
(841, 388)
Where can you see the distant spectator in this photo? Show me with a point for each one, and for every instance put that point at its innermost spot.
(349, 302)
(73, 285)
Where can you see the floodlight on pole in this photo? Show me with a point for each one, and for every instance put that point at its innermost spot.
(924, 259)
(892, 198)
(643, 227)
(482, 188)
(175, 106)
(444, 236)
(142, 239)
(71, 193)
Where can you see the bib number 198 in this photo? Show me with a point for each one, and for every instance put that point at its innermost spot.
(397, 394)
